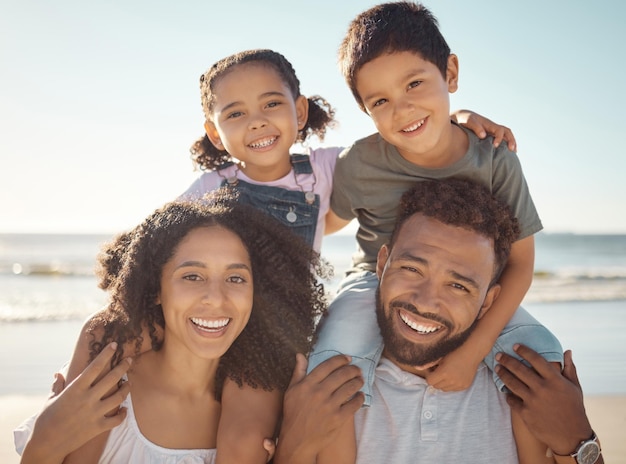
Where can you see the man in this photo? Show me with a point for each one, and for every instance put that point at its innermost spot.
(438, 277)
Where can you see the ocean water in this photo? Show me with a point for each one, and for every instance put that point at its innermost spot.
(579, 292)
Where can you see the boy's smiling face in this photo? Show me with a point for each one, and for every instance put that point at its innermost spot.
(408, 100)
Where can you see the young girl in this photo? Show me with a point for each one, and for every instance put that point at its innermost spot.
(254, 114)
(236, 299)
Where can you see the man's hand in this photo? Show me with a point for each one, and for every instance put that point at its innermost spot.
(79, 413)
(455, 372)
(550, 403)
(481, 126)
(316, 406)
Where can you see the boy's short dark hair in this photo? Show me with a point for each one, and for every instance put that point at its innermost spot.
(390, 28)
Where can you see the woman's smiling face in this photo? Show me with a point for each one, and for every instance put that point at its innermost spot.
(206, 292)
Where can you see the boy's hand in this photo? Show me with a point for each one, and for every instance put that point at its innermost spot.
(455, 372)
(482, 127)
(550, 403)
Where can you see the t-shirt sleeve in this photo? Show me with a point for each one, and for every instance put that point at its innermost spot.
(324, 160)
(509, 184)
(343, 188)
(204, 184)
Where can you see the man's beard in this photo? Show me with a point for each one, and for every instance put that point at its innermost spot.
(412, 354)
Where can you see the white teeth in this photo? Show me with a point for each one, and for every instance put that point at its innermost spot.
(210, 324)
(415, 126)
(263, 143)
(418, 327)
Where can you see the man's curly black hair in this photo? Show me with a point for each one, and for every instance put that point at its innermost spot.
(288, 293)
(462, 203)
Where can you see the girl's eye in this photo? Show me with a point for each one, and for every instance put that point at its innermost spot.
(192, 277)
(414, 84)
(236, 279)
(234, 114)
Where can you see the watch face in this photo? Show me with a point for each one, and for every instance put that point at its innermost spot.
(588, 453)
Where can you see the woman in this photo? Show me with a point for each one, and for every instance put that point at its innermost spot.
(234, 295)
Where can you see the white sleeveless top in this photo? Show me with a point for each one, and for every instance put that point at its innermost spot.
(127, 445)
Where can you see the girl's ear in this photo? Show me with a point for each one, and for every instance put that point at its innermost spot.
(302, 111)
(213, 135)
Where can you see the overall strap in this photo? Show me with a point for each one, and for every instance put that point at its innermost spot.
(301, 164)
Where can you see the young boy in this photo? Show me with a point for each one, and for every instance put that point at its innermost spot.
(400, 71)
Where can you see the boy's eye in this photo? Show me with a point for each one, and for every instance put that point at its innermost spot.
(414, 84)
(273, 104)
(379, 102)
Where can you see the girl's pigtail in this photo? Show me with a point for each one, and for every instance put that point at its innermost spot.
(321, 116)
(206, 157)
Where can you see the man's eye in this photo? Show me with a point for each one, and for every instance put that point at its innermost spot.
(409, 268)
(460, 287)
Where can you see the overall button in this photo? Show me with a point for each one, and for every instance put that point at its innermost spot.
(428, 415)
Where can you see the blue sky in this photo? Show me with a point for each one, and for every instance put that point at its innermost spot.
(99, 101)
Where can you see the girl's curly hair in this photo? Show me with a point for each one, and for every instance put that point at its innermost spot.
(288, 293)
(321, 115)
(462, 203)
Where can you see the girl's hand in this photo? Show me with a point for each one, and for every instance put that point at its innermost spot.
(80, 412)
(482, 127)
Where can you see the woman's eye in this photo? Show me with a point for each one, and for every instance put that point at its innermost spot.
(236, 279)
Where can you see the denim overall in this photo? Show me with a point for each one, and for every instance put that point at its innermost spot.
(298, 210)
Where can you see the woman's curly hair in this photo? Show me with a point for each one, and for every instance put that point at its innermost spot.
(321, 115)
(462, 203)
(288, 293)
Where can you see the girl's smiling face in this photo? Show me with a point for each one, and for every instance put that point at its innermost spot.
(256, 119)
(206, 292)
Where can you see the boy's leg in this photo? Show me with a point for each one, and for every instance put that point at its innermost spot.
(525, 329)
(350, 327)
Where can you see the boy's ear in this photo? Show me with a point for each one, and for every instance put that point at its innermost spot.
(213, 135)
(302, 111)
(452, 73)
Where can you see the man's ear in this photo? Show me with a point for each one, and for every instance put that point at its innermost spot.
(452, 73)
(383, 256)
(302, 111)
(490, 297)
(213, 135)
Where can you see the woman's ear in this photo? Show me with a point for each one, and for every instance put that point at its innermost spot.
(213, 135)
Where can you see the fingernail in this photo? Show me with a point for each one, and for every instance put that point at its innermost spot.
(129, 361)
(113, 345)
(498, 356)
(516, 346)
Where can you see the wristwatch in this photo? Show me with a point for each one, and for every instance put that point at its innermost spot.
(587, 452)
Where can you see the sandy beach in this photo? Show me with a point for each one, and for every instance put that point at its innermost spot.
(607, 414)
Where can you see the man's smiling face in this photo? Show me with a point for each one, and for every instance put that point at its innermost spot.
(434, 286)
